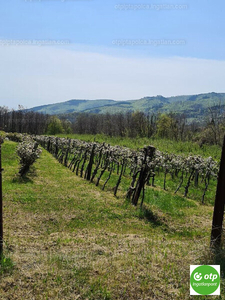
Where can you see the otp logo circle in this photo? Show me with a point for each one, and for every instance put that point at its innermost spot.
(197, 276)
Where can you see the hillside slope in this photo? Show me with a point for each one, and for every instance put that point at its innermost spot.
(193, 106)
(70, 106)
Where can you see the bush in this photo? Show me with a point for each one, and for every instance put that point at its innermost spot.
(55, 126)
(15, 137)
(2, 135)
(28, 153)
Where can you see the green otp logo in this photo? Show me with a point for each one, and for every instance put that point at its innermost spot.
(205, 280)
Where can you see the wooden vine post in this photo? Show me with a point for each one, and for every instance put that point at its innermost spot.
(148, 152)
(1, 204)
(217, 223)
(90, 164)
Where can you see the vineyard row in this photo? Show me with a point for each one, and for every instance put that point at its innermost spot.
(94, 161)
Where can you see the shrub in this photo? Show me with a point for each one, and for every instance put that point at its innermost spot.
(2, 135)
(15, 137)
(28, 153)
(55, 126)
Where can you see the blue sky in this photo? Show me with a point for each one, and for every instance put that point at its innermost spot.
(57, 50)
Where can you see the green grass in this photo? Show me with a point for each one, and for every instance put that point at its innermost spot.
(194, 192)
(70, 240)
(6, 265)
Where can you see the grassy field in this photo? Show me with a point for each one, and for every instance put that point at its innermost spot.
(65, 238)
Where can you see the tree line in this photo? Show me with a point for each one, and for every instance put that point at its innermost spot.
(22, 121)
(171, 125)
(131, 124)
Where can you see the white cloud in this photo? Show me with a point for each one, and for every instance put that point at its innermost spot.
(32, 75)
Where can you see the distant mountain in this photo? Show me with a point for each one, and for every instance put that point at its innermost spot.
(193, 106)
(70, 106)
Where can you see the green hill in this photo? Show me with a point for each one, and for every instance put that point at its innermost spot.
(70, 106)
(195, 107)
